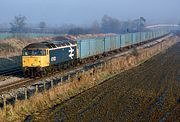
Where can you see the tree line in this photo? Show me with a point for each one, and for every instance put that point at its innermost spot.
(107, 24)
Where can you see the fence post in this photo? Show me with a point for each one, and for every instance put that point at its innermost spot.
(52, 84)
(25, 93)
(69, 77)
(101, 67)
(61, 79)
(76, 74)
(16, 97)
(4, 102)
(36, 89)
(44, 85)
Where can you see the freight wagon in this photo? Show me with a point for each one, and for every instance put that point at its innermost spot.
(41, 58)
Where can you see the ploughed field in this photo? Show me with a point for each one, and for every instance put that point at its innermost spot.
(149, 92)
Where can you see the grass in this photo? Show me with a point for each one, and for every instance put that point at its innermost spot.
(13, 47)
(41, 102)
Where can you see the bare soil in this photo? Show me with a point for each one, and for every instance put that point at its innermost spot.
(149, 92)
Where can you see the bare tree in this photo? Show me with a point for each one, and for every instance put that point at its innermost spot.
(42, 26)
(18, 25)
(95, 28)
(138, 24)
(110, 25)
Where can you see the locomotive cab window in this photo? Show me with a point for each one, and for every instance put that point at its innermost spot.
(34, 52)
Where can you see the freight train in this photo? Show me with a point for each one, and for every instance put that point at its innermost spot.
(41, 58)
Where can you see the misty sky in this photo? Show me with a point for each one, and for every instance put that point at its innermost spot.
(84, 12)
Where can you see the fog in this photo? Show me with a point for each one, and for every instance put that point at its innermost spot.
(84, 12)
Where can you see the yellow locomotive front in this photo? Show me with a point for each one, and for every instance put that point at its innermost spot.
(34, 59)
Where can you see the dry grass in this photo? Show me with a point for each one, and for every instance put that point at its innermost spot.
(43, 101)
(13, 47)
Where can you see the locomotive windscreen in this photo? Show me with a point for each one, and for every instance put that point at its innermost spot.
(34, 52)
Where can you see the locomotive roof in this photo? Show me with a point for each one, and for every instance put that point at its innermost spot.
(52, 44)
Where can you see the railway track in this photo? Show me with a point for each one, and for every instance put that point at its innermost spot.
(29, 81)
(12, 71)
(16, 84)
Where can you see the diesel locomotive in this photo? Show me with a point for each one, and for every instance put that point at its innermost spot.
(41, 58)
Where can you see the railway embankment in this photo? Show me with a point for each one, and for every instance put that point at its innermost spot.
(40, 104)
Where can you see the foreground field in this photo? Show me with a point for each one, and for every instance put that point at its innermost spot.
(150, 92)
